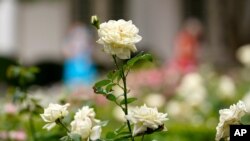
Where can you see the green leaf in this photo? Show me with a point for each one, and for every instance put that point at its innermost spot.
(109, 87)
(102, 83)
(118, 130)
(111, 97)
(140, 56)
(129, 100)
(110, 135)
(13, 71)
(99, 140)
(123, 136)
(34, 69)
(110, 75)
(65, 138)
(99, 90)
(75, 137)
(114, 75)
(122, 139)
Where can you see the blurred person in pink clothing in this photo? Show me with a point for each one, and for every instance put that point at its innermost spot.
(186, 47)
(185, 53)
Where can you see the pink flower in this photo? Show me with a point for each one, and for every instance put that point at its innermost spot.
(18, 135)
(10, 108)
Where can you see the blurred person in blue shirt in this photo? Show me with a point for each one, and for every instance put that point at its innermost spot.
(79, 69)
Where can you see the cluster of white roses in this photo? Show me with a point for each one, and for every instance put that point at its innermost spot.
(84, 123)
(231, 116)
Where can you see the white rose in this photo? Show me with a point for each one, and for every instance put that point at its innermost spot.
(85, 112)
(192, 89)
(85, 129)
(190, 82)
(52, 113)
(226, 87)
(145, 118)
(229, 116)
(81, 127)
(155, 100)
(119, 38)
(85, 124)
(175, 109)
(243, 55)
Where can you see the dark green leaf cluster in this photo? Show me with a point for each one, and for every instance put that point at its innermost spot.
(119, 134)
(22, 76)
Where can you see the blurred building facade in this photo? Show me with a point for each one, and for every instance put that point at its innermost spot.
(40, 25)
(34, 30)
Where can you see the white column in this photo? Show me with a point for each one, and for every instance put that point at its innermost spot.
(8, 9)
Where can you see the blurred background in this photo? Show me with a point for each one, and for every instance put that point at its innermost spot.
(33, 31)
(200, 37)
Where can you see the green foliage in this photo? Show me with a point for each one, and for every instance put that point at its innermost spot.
(22, 76)
(140, 57)
(102, 83)
(111, 97)
(129, 100)
(71, 137)
(115, 75)
(105, 88)
(118, 134)
(75, 137)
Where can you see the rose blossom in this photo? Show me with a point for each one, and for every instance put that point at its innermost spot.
(52, 113)
(85, 130)
(243, 55)
(85, 124)
(85, 112)
(192, 89)
(226, 87)
(145, 118)
(228, 117)
(155, 100)
(119, 38)
(10, 108)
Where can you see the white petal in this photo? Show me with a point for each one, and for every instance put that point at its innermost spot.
(124, 55)
(95, 133)
(49, 126)
(139, 128)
